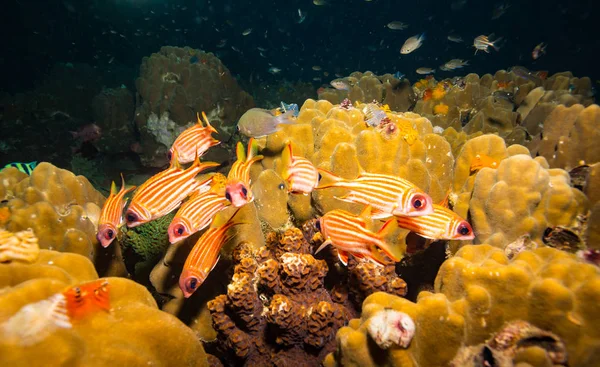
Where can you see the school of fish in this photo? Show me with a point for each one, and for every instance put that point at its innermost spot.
(202, 202)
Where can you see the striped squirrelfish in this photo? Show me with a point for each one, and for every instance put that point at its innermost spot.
(204, 256)
(111, 217)
(195, 214)
(349, 234)
(299, 173)
(87, 298)
(195, 140)
(442, 224)
(165, 191)
(388, 195)
(237, 188)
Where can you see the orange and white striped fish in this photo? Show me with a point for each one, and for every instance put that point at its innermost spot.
(111, 217)
(237, 188)
(442, 224)
(482, 160)
(349, 233)
(87, 298)
(204, 256)
(388, 195)
(195, 214)
(194, 141)
(165, 191)
(299, 173)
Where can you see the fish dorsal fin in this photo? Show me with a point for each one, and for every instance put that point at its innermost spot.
(174, 163)
(113, 189)
(240, 152)
(252, 149)
(208, 125)
(366, 213)
(445, 201)
(286, 160)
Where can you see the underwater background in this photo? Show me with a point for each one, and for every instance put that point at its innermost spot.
(299, 183)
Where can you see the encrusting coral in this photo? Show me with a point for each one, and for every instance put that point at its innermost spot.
(124, 335)
(476, 292)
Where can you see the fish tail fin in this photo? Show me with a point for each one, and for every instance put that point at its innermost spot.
(422, 37)
(240, 153)
(208, 125)
(392, 251)
(285, 118)
(124, 188)
(496, 44)
(323, 245)
(286, 160)
(174, 163)
(201, 165)
(331, 176)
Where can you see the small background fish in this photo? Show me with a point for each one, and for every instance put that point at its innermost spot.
(23, 167)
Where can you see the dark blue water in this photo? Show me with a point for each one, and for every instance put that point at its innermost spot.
(340, 37)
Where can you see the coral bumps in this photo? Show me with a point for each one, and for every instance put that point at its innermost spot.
(476, 293)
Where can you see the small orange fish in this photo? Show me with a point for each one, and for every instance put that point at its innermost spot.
(87, 298)
(443, 224)
(195, 214)
(428, 94)
(237, 189)
(481, 160)
(502, 85)
(195, 140)
(165, 191)
(388, 195)
(543, 74)
(349, 234)
(111, 217)
(299, 173)
(204, 256)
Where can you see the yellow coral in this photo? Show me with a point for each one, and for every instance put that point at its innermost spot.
(22, 246)
(134, 333)
(441, 109)
(476, 292)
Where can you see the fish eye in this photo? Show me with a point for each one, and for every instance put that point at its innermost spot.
(131, 217)
(227, 196)
(169, 155)
(179, 230)
(281, 186)
(464, 228)
(109, 234)
(418, 202)
(192, 283)
(244, 191)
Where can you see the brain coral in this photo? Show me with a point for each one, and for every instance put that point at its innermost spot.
(174, 85)
(128, 335)
(62, 210)
(476, 293)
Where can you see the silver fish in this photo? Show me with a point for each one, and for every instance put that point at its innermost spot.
(483, 43)
(412, 44)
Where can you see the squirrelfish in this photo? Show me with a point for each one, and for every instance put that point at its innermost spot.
(237, 188)
(483, 43)
(86, 298)
(111, 217)
(350, 234)
(195, 140)
(442, 224)
(196, 214)
(481, 160)
(388, 195)
(299, 173)
(165, 191)
(412, 44)
(204, 256)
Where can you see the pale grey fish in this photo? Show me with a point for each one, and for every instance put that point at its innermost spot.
(397, 25)
(425, 71)
(258, 122)
(412, 44)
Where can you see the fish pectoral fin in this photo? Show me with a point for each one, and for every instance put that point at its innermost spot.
(323, 245)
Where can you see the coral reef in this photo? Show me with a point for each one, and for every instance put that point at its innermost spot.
(62, 210)
(476, 293)
(277, 311)
(174, 84)
(368, 87)
(125, 335)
